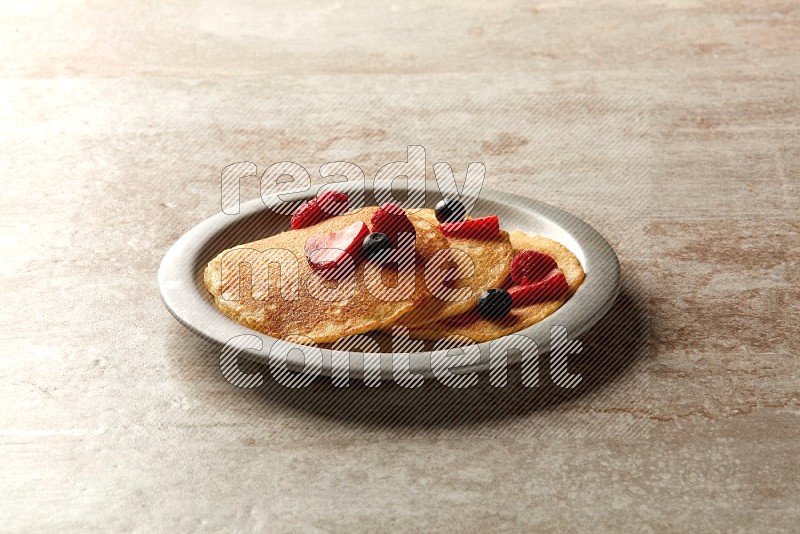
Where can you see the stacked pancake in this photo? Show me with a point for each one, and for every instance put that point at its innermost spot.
(477, 328)
(273, 286)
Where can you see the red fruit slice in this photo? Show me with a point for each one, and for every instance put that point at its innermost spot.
(333, 203)
(330, 251)
(306, 215)
(391, 219)
(324, 206)
(484, 228)
(531, 266)
(551, 287)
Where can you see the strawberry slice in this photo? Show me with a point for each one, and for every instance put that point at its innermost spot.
(484, 228)
(332, 203)
(391, 219)
(551, 287)
(531, 266)
(329, 251)
(324, 206)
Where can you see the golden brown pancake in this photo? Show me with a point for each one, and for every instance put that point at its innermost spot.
(491, 259)
(281, 304)
(479, 329)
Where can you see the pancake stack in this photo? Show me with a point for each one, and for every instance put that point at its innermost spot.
(270, 286)
(478, 328)
(490, 265)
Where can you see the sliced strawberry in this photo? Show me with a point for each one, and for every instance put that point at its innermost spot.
(324, 206)
(330, 251)
(307, 214)
(484, 228)
(391, 219)
(333, 203)
(531, 266)
(551, 287)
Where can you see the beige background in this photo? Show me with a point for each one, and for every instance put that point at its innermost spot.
(670, 126)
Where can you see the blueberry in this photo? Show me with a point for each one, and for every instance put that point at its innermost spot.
(449, 210)
(494, 303)
(376, 245)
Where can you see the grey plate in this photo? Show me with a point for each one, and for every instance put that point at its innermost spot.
(180, 279)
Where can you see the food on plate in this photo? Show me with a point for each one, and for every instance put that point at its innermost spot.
(340, 272)
(527, 309)
(450, 210)
(484, 262)
(294, 302)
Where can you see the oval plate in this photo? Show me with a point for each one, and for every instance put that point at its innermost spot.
(180, 276)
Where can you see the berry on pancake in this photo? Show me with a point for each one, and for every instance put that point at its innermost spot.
(551, 287)
(335, 249)
(391, 219)
(531, 266)
(376, 246)
(450, 210)
(483, 228)
(324, 206)
(494, 303)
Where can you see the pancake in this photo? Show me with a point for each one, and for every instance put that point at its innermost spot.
(479, 329)
(279, 302)
(491, 259)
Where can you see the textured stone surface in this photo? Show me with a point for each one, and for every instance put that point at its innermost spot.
(672, 127)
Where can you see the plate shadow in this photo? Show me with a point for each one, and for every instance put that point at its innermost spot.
(615, 345)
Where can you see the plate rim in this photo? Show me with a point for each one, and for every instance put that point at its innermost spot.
(188, 305)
